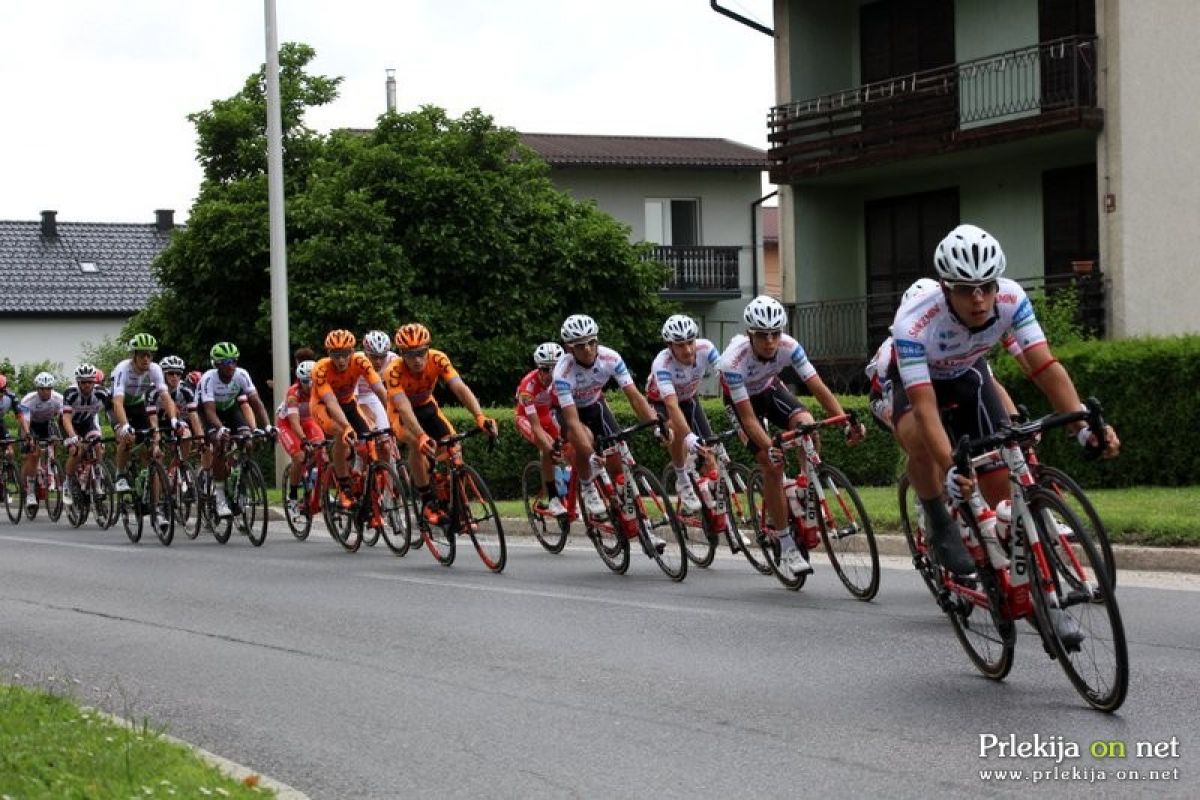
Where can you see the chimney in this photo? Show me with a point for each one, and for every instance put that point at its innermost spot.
(391, 90)
(49, 224)
(164, 219)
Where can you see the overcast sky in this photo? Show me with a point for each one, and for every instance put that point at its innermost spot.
(96, 93)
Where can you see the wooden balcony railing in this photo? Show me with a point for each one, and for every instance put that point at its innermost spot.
(1046, 87)
(700, 270)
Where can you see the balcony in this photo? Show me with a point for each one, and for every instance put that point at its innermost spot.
(1041, 89)
(700, 273)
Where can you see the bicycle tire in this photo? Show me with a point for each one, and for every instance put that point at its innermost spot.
(914, 535)
(160, 503)
(742, 528)
(700, 543)
(989, 639)
(338, 520)
(79, 507)
(607, 536)
(14, 493)
(479, 516)
(397, 520)
(296, 513)
(550, 531)
(371, 504)
(1079, 581)
(770, 547)
(252, 497)
(104, 495)
(54, 491)
(1063, 485)
(184, 493)
(438, 540)
(656, 517)
(131, 520)
(847, 534)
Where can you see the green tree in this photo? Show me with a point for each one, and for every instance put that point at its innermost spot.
(450, 222)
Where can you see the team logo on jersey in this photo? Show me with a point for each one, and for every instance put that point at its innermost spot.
(921, 323)
(906, 350)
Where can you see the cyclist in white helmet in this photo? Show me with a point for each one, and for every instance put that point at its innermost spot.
(534, 420)
(38, 416)
(82, 404)
(941, 342)
(673, 388)
(579, 380)
(750, 368)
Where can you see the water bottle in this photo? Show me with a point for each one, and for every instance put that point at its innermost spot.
(793, 497)
(562, 479)
(704, 489)
(231, 483)
(1004, 521)
(310, 480)
(139, 483)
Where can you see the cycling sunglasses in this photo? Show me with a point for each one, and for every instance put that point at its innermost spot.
(415, 352)
(966, 290)
(224, 362)
(340, 353)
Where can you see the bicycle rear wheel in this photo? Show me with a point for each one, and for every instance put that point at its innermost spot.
(769, 546)
(1073, 495)
(1074, 582)
(550, 531)
(699, 542)
(104, 495)
(78, 508)
(914, 535)
(479, 516)
(187, 511)
(54, 491)
(393, 502)
(296, 512)
(338, 520)
(742, 524)
(160, 503)
(608, 537)
(986, 635)
(252, 499)
(439, 541)
(660, 528)
(847, 533)
(131, 518)
(14, 493)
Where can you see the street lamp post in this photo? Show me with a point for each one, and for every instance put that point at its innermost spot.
(280, 343)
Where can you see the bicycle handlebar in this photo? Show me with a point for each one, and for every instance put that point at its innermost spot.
(717, 438)
(605, 442)
(784, 438)
(1092, 413)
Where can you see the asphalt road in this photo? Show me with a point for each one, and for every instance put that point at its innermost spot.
(364, 676)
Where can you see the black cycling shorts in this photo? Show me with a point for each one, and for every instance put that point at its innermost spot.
(775, 404)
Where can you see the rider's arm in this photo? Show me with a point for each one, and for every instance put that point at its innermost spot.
(638, 402)
(414, 434)
(68, 428)
(818, 389)
(335, 410)
(118, 411)
(468, 400)
(210, 413)
(751, 426)
(260, 410)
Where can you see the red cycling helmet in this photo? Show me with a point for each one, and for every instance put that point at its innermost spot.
(194, 377)
(3, 381)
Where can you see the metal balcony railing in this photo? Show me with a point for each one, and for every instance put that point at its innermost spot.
(1044, 87)
(694, 268)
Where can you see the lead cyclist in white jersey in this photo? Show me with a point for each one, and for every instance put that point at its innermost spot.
(579, 380)
(941, 341)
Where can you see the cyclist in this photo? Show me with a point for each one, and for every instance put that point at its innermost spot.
(186, 404)
(133, 381)
(222, 390)
(673, 389)
(297, 429)
(941, 340)
(8, 402)
(880, 392)
(534, 420)
(39, 411)
(377, 347)
(579, 380)
(750, 368)
(413, 377)
(81, 418)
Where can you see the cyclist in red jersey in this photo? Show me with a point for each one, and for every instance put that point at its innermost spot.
(296, 426)
(535, 398)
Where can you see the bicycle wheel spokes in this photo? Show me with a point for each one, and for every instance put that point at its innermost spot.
(481, 519)
(550, 531)
(847, 534)
(14, 493)
(252, 496)
(742, 524)
(296, 512)
(986, 636)
(76, 500)
(160, 503)
(338, 519)
(699, 543)
(769, 546)
(1073, 495)
(660, 525)
(104, 496)
(392, 504)
(440, 543)
(54, 491)
(1076, 608)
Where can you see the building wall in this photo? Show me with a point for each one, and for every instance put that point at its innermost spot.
(1149, 163)
(59, 339)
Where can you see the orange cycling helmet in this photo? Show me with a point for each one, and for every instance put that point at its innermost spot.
(412, 336)
(340, 340)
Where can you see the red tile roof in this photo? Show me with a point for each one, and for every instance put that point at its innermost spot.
(679, 152)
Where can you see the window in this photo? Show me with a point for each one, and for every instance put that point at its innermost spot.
(672, 222)
(88, 266)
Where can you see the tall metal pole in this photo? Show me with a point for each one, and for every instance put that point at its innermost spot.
(280, 343)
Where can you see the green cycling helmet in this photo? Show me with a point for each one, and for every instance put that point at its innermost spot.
(143, 341)
(223, 350)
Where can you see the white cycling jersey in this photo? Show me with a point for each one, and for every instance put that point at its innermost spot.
(932, 344)
(669, 377)
(878, 366)
(576, 385)
(134, 387)
(226, 395)
(745, 374)
(363, 389)
(38, 410)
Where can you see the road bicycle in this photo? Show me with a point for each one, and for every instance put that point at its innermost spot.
(11, 484)
(637, 509)
(376, 503)
(48, 482)
(299, 513)
(1043, 567)
(464, 496)
(245, 491)
(182, 477)
(725, 507)
(823, 508)
(90, 489)
(149, 494)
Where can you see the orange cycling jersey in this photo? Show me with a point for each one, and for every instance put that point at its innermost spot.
(419, 386)
(326, 379)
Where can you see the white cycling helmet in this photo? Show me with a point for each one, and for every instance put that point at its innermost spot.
(44, 380)
(547, 354)
(969, 255)
(376, 343)
(304, 371)
(920, 286)
(85, 372)
(680, 328)
(765, 314)
(578, 327)
(172, 364)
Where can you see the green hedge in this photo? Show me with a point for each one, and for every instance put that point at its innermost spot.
(1148, 388)
(875, 461)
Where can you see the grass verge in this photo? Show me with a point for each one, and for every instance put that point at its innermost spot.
(50, 747)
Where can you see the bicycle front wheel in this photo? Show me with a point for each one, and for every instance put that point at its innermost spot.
(104, 495)
(478, 514)
(1073, 495)
(159, 502)
(550, 531)
(184, 494)
(14, 493)
(77, 509)
(252, 498)
(392, 502)
(742, 524)
(700, 543)
(847, 534)
(131, 518)
(54, 491)
(1075, 606)
(338, 519)
(661, 532)
(296, 512)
